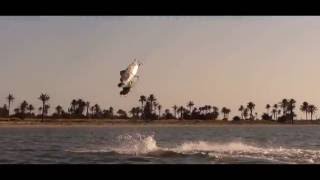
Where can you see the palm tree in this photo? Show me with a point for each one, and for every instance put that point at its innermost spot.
(111, 111)
(122, 113)
(151, 99)
(134, 111)
(92, 108)
(46, 109)
(30, 108)
(59, 110)
(290, 107)
(44, 98)
(275, 106)
(181, 110)
(283, 105)
(10, 99)
(23, 108)
(167, 114)
(241, 108)
(73, 106)
(225, 112)
(159, 109)
(209, 108)
(305, 108)
(251, 106)
(312, 109)
(190, 105)
(274, 112)
(79, 107)
(142, 99)
(215, 109)
(155, 105)
(175, 108)
(87, 107)
(268, 107)
(245, 113)
(97, 109)
(200, 110)
(215, 112)
(279, 112)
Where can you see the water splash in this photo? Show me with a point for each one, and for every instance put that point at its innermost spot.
(242, 150)
(136, 144)
(203, 146)
(146, 145)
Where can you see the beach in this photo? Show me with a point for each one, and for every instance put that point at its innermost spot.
(141, 123)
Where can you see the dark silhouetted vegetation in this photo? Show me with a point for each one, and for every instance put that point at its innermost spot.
(266, 116)
(44, 98)
(236, 118)
(148, 108)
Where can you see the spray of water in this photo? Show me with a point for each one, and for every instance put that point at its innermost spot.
(146, 145)
(136, 144)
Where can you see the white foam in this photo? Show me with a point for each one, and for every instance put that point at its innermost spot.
(138, 144)
(200, 146)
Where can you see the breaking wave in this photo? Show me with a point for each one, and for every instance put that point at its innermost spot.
(228, 152)
(136, 144)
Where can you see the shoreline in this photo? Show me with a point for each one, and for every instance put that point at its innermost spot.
(139, 123)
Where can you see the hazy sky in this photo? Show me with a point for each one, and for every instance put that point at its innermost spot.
(222, 61)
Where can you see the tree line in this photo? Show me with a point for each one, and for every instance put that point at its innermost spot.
(150, 109)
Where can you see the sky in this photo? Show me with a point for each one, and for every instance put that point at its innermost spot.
(211, 60)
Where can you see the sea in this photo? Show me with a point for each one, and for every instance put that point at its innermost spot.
(222, 144)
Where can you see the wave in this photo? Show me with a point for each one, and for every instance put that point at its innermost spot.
(146, 145)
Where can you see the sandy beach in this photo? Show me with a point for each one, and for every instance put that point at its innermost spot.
(139, 123)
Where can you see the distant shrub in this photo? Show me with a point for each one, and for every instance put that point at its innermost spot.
(282, 119)
(236, 118)
(168, 116)
(265, 116)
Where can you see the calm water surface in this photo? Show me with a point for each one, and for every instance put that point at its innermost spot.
(164, 145)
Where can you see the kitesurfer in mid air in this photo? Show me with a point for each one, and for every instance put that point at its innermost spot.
(129, 77)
